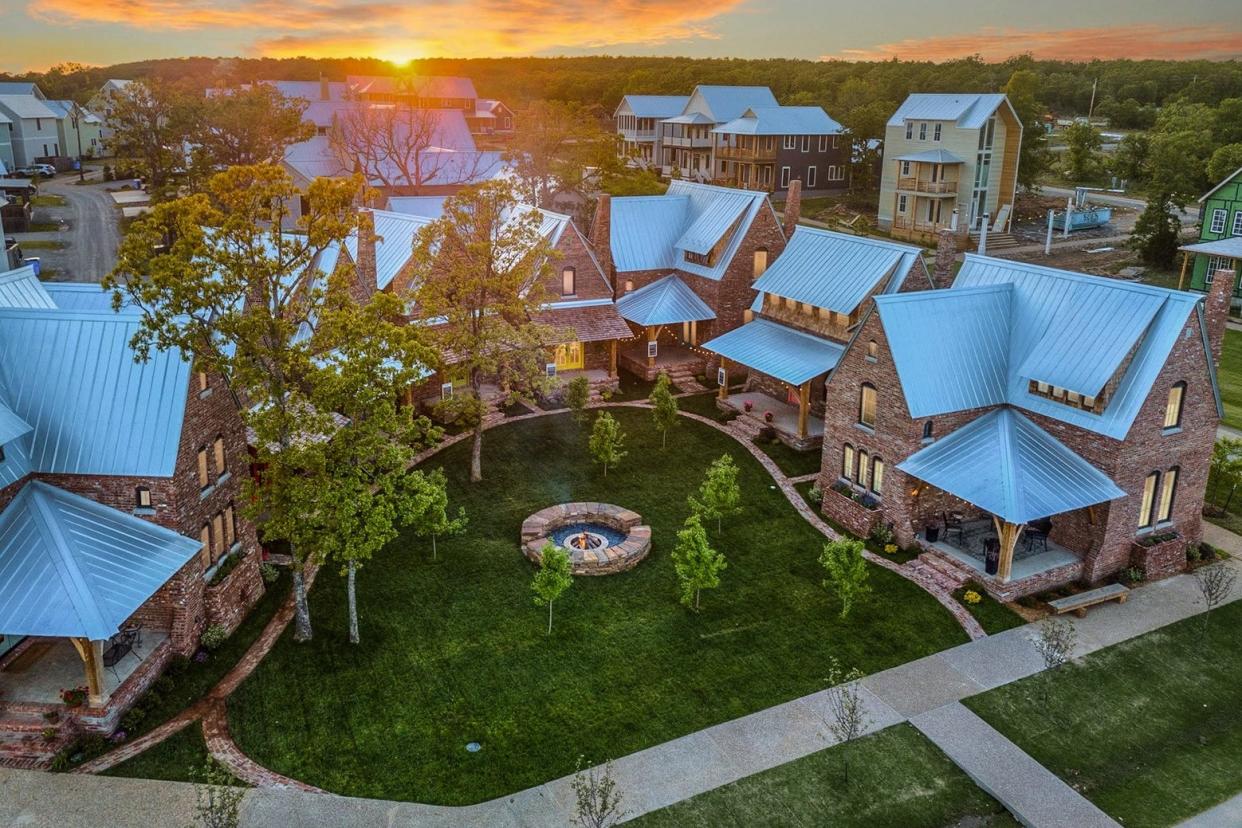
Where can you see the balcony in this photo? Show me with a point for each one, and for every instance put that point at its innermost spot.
(637, 134)
(688, 142)
(755, 154)
(925, 186)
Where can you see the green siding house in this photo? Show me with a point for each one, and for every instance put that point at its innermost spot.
(1221, 218)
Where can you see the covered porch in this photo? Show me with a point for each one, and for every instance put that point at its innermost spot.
(666, 314)
(993, 494)
(780, 358)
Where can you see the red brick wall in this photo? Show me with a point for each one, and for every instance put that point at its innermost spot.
(227, 602)
(572, 251)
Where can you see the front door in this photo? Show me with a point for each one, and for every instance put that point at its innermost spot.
(569, 356)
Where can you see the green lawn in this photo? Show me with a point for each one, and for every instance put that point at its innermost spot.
(175, 759)
(1150, 730)
(793, 463)
(897, 777)
(42, 244)
(991, 614)
(1230, 378)
(454, 651)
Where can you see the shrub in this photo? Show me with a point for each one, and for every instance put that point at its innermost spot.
(1208, 552)
(1192, 552)
(177, 665)
(269, 573)
(74, 696)
(213, 637)
(133, 717)
(49, 734)
(107, 173)
(163, 685)
(51, 716)
(1132, 575)
(816, 494)
(890, 549)
(882, 535)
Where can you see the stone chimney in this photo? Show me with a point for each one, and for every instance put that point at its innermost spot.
(793, 207)
(365, 277)
(946, 254)
(601, 237)
(324, 94)
(1216, 310)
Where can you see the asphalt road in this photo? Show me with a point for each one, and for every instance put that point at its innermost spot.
(88, 234)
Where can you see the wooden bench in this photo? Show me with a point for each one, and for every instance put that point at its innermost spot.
(1078, 603)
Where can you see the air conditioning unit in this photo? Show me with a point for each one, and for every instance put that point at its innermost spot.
(550, 368)
(446, 390)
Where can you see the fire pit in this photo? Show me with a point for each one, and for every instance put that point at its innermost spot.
(600, 538)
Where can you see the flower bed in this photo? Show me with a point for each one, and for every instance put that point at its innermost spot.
(1159, 555)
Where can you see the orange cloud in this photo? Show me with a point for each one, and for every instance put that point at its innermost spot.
(409, 29)
(1139, 42)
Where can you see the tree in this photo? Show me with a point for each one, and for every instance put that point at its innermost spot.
(663, 407)
(1082, 152)
(846, 568)
(597, 802)
(430, 518)
(1225, 472)
(1177, 161)
(1224, 162)
(1022, 91)
(577, 395)
(719, 494)
(696, 563)
(214, 276)
(552, 147)
(149, 121)
(848, 718)
(553, 577)
(1054, 642)
(236, 127)
(607, 440)
(1215, 583)
(481, 269)
(218, 797)
(1129, 162)
(1157, 233)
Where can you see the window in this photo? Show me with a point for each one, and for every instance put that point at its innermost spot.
(923, 131)
(629, 285)
(936, 133)
(823, 143)
(230, 526)
(864, 469)
(791, 142)
(873, 350)
(446, 390)
(203, 479)
(1149, 497)
(1215, 264)
(866, 405)
(204, 554)
(1218, 220)
(142, 497)
(929, 430)
(806, 143)
(905, 168)
(909, 130)
(1173, 410)
(202, 381)
(221, 464)
(761, 261)
(784, 177)
(1237, 224)
(38, 126)
(901, 204)
(877, 474)
(811, 174)
(834, 141)
(847, 462)
(1167, 493)
(217, 535)
(568, 281)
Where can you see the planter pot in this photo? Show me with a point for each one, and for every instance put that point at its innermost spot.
(932, 533)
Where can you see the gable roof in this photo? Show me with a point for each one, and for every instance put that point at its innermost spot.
(21, 288)
(1005, 464)
(82, 296)
(969, 110)
(1230, 248)
(790, 355)
(426, 86)
(1015, 322)
(836, 271)
(429, 206)
(394, 243)
(654, 106)
(782, 120)
(724, 103)
(27, 107)
(1222, 183)
(19, 88)
(72, 567)
(665, 301)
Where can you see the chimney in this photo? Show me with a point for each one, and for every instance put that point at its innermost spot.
(365, 277)
(1216, 310)
(793, 207)
(946, 254)
(601, 237)
(323, 88)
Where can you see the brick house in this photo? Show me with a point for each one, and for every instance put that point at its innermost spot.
(1028, 427)
(683, 265)
(120, 508)
(809, 303)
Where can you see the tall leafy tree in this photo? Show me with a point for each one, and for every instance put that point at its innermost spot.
(552, 148)
(552, 578)
(719, 495)
(253, 125)
(1224, 162)
(607, 441)
(479, 271)
(1156, 233)
(696, 563)
(1022, 91)
(150, 120)
(1082, 160)
(663, 407)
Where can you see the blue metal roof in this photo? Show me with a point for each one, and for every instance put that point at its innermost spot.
(11, 425)
(1005, 464)
(93, 410)
(968, 110)
(428, 206)
(644, 230)
(664, 302)
(394, 243)
(655, 106)
(777, 350)
(21, 288)
(71, 567)
(724, 103)
(931, 156)
(782, 120)
(835, 270)
(83, 296)
(713, 221)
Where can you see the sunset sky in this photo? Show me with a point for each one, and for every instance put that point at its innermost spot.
(41, 32)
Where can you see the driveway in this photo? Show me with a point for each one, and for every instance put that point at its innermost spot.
(88, 235)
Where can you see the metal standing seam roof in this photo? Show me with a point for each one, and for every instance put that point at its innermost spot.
(717, 216)
(782, 120)
(967, 109)
(777, 350)
(932, 156)
(665, 301)
(1005, 464)
(645, 230)
(427, 206)
(21, 288)
(428, 86)
(93, 409)
(836, 271)
(394, 243)
(27, 107)
(72, 567)
(11, 425)
(1230, 248)
(654, 106)
(724, 103)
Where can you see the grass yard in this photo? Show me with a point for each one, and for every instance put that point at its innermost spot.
(49, 201)
(175, 759)
(792, 462)
(1230, 379)
(42, 244)
(1150, 730)
(896, 777)
(454, 650)
(991, 614)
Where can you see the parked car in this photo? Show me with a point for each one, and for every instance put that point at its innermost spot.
(45, 170)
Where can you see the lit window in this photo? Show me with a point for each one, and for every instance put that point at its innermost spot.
(203, 478)
(1173, 410)
(864, 469)
(866, 405)
(202, 381)
(1072, 397)
(873, 350)
(142, 496)
(218, 450)
(847, 462)
(568, 282)
(877, 475)
(761, 261)
(1167, 493)
(629, 285)
(1149, 498)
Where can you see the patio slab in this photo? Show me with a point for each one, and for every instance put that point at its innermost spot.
(61, 667)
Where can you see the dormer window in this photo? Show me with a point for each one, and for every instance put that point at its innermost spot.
(1087, 402)
(142, 497)
(569, 281)
(629, 285)
(929, 431)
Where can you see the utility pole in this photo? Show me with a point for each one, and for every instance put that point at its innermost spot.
(1091, 108)
(77, 128)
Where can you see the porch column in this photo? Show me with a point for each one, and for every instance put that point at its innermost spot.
(724, 387)
(1185, 262)
(694, 332)
(1008, 534)
(804, 405)
(612, 359)
(92, 658)
(653, 333)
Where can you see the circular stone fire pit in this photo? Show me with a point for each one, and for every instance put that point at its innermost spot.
(600, 538)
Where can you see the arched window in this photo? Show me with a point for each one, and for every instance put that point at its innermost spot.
(929, 430)
(569, 278)
(866, 405)
(761, 261)
(873, 350)
(1168, 493)
(847, 462)
(864, 469)
(877, 475)
(1148, 502)
(1173, 410)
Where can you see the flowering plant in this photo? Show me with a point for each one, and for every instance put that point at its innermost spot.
(972, 597)
(890, 549)
(74, 696)
(748, 405)
(768, 416)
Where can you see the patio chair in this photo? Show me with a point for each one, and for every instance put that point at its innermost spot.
(954, 522)
(1035, 537)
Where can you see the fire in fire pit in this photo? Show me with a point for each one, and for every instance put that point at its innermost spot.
(586, 536)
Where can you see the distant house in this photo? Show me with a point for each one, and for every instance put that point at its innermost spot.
(638, 118)
(687, 138)
(32, 122)
(102, 104)
(426, 92)
(1220, 235)
(765, 148)
(79, 131)
(6, 144)
(949, 160)
(490, 117)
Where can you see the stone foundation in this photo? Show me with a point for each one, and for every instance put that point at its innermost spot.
(1014, 589)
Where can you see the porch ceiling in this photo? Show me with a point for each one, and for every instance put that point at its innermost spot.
(778, 351)
(71, 567)
(1004, 463)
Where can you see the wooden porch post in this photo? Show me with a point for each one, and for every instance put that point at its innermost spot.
(92, 658)
(1185, 262)
(724, 388)
(653, 333)
(804, 404)
(612, 359)
(694, 332)
(1008, 533)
